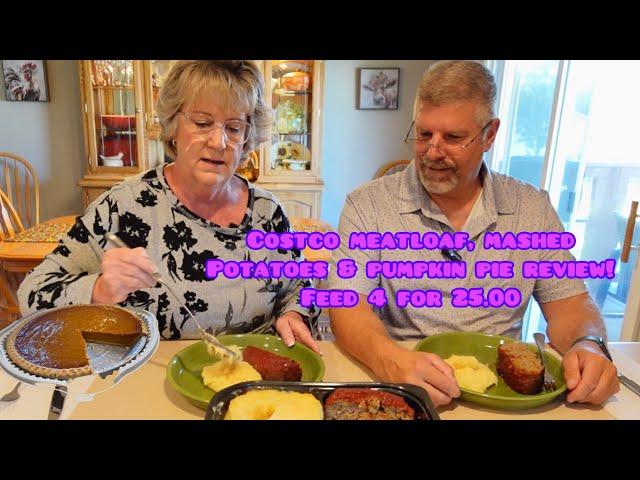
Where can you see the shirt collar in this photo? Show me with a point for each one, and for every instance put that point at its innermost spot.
(413, 196)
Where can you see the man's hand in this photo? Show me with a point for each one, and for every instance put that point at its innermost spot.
(291, 327)
(590, 376)
(425, 370)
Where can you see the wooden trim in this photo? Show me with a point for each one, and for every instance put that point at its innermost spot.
(628, 234)
(141, 142)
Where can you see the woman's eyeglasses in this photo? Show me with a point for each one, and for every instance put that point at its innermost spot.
(235, 132)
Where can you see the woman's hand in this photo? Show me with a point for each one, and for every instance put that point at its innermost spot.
(124, 270)
(291, 327)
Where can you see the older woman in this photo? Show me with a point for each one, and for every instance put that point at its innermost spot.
(177, 216)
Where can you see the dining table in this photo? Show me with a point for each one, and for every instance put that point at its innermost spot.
(28, 248)
(146, 394)
(21, 253)
(310, 225)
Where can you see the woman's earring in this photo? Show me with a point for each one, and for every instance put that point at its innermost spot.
(173, 142)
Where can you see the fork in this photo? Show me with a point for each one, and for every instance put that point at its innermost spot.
(212, 341)
(13, 395)
(549, 382)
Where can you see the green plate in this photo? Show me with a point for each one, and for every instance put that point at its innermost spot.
(185, 368)
(485, 349)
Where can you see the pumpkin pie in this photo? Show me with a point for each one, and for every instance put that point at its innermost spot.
(53, 343)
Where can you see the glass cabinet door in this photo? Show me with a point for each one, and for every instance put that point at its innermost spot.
(155, 73)
(113, 99)
(291, 85)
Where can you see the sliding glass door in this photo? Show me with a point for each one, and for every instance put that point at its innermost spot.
(572, 129)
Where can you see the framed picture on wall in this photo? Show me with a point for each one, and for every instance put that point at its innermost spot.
(25, 80)
(378, 88)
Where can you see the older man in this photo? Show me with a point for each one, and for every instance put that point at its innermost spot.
(448, 188)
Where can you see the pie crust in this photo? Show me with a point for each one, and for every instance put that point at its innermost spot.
(53, 343)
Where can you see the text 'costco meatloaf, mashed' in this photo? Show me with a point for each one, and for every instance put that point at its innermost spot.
(471, 374)
(520, 368)
(366, 404)
(274, 405)
(272, 366)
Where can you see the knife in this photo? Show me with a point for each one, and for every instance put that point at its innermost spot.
(630, 384)
(57, 402)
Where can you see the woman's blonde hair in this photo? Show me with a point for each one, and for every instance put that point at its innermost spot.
(458, 80)
(239, 83)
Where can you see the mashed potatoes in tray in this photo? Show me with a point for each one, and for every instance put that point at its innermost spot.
(274, 405)
(471, 374)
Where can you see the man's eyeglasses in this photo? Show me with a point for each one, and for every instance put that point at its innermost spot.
(450, 142)
(236, 132)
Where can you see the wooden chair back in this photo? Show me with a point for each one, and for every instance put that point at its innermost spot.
(392, 167)
(10, 225)
(19, 181)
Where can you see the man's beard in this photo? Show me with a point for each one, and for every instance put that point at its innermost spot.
(437, 182)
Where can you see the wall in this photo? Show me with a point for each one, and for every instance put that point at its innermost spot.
(49, 136)
(355, 143)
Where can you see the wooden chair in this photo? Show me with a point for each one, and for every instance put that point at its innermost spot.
(10, 225)
(19, 181)
(392, 167)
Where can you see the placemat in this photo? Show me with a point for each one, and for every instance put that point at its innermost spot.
(43, 232)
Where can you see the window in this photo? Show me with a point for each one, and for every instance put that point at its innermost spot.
(570, 127)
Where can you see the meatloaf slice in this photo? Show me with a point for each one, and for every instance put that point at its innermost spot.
(366, 404)
(272, 366)
(520, 368)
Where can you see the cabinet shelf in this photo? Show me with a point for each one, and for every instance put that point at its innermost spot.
(285, 134)
(116, 130)
(290, 93)
(112, 87)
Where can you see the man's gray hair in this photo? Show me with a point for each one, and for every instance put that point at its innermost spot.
(458, 80)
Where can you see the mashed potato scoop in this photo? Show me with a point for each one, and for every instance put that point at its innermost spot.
(227, 372)
(471, 374)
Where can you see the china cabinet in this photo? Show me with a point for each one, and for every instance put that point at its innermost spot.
(121, 128)
(120, 133)
(290, 162)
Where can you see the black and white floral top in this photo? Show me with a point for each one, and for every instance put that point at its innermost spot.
(144, 212)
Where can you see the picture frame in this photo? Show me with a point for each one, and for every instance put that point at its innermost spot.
(378, 88)
(25, 80)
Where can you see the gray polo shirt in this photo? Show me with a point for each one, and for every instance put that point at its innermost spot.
(399, 203)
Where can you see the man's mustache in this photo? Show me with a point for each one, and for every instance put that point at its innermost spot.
(425, 162)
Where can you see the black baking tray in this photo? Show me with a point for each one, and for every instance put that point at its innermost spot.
(415, 396)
